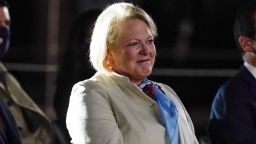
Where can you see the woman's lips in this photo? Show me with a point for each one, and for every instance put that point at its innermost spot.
(143, 61)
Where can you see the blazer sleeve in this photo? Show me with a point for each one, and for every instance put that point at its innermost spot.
(90, 118)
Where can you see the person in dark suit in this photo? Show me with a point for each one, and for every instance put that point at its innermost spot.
(233, 112)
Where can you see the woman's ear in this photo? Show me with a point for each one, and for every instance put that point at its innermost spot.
(108, 62)
(245, 43)
(109, 54)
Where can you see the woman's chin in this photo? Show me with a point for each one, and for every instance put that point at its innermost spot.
(146, 72)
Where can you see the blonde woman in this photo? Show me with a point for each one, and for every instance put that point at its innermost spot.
(119, 105)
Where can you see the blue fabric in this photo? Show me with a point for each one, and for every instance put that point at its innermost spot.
(167, 108)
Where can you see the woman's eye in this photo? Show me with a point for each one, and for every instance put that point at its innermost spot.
(133, 44)
(150, 41)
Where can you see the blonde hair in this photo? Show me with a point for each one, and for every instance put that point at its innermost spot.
(105, 32)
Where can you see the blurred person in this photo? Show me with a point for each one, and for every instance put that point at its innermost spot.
(9, 133)
(119, 104)
(233, 112)
(34, 127)
(75, 65)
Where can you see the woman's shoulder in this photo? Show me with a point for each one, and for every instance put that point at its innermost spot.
(97, 80)
(87, 84)
(89, 90)
(92, 85)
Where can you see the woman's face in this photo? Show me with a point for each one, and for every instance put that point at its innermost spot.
(134, 52)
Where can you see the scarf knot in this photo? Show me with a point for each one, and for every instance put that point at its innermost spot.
(168, 110)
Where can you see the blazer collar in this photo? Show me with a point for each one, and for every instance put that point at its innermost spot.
(123, 81)
(119, 79)
(248, 77)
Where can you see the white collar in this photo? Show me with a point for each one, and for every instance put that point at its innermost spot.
(250, 68)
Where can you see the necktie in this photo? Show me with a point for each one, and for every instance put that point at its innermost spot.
(167, 108)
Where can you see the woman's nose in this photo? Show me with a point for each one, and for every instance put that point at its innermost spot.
(145, 48)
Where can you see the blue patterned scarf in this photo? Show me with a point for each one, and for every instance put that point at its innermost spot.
(169, 113)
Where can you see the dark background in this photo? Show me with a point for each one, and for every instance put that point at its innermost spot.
(196, 50)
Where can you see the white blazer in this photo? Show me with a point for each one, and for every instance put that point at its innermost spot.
(109, 109)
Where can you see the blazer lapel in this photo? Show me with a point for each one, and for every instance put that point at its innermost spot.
(248, 77)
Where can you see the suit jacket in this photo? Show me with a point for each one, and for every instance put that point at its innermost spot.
(233, 113)
(34, 126)
(8, 129)
(109, 109)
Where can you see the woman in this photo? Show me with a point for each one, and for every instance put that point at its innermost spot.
(111, 107)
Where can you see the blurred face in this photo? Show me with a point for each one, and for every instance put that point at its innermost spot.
(4, 17)
(134, 52)
(4, 30)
